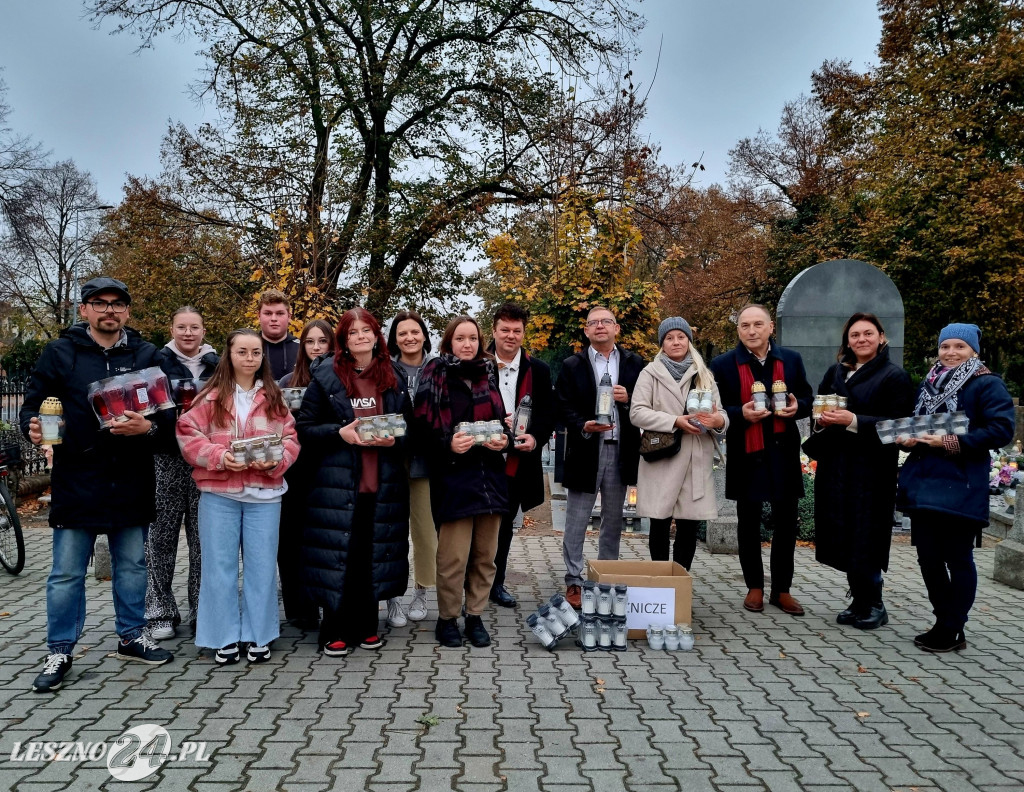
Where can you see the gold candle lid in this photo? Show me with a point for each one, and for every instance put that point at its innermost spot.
(778, 386)
(757, 387)
(51, 406)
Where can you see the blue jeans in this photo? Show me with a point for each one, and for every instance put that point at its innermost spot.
(225, 527)
(65, 588)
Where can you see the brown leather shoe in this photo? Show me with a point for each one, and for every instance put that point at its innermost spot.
(787, 604)
(754, 601)
(574, 596)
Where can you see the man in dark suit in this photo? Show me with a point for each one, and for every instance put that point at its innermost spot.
(520, 375)
(598, 457)
(763, 452)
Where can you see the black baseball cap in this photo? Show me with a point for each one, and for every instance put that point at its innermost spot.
(103, 284)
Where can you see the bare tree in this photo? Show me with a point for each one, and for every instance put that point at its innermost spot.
(50, 231)
(20, 157)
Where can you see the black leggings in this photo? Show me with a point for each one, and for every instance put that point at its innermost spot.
(686, 541)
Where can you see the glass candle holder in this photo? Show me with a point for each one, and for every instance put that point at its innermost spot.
(99, 407)
(494, 431)
(159, 389)
(671, 638)
(275, 449)
(588, 633)
(398, 425)
(620, 599)
(921, 425)
(588, 599)
(960, 423)
(817, 407)
(604, 406)
(114, 396)
(759, 396)
(604, 599)
(51, 421)
(240, 451)
(185, 392)
(566, 611)
(521, 419)
(942, 423)
(685, 637)
(480, 432)
(656, 636)
(707, 404)
(619, 634)
(831, 402)
(554, 621)
(365, 429)
(258, 451)
(382, 427)
(693, 402)
(604, 634)
(540, 629)
(903, 428)
(886, 432)
(138, 393)
(779, 396)
(841, 402)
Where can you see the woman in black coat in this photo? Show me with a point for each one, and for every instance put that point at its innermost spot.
(468, 491)
(944, 484)
(356, 543)
(855, 483)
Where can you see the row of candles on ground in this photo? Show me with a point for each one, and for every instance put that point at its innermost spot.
(381, 427)
(918, 426)
(557, 619)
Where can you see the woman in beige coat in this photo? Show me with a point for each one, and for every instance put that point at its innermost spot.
(679, 486)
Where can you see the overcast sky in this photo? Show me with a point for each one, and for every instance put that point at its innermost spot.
(726, 68)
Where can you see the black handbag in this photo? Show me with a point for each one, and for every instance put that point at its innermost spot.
(660, 445)
(817, 446)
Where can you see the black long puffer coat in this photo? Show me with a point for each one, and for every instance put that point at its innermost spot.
(330, 505)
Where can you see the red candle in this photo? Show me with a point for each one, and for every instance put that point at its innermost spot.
(113, 397)
(138, 394)
(158, 392)
(187, 392)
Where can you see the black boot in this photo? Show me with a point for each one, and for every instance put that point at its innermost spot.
(942, 639)
(855, 611)
(447, 633)
(875, 615)
(476, 633)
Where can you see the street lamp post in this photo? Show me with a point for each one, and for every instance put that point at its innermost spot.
(76, 286)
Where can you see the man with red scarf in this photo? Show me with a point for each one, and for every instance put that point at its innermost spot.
(763, 452)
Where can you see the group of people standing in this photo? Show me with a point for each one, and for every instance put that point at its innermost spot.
(336, 511)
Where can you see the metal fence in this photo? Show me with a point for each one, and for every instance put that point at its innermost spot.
(12, 394)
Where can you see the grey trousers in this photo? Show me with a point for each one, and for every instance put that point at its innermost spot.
(580, 505)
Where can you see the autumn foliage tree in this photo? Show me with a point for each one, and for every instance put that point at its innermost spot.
(168, 260)
(562, 261)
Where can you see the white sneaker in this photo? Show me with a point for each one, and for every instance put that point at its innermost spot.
(161, 630)
(396, 614)
(418, 606)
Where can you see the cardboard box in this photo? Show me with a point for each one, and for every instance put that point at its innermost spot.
(660, 592)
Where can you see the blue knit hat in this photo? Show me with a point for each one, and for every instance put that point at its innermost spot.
(673, 323)
(970, 334)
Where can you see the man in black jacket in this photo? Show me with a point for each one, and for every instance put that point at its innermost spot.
(102, 479)
(280, 347)
(520, 375)
(763, 452)
(598, 457)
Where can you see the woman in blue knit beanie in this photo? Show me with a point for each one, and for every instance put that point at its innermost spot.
(943, 486)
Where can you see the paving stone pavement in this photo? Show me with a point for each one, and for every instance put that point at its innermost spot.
(765, 701)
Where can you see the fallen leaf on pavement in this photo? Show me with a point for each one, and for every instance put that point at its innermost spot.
(863, 714)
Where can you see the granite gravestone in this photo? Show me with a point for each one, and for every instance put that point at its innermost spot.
(817, 302)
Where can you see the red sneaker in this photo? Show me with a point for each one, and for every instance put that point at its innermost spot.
(336, 649)
(373, 642)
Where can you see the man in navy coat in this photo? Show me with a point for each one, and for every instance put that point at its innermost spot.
(598, 457)
(763, 452)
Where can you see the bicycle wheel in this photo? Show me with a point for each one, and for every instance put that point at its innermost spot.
(12, 543)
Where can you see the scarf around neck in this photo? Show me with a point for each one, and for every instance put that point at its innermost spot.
(941, 386)
(677, 370)
(193, 363)
(433, 399)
